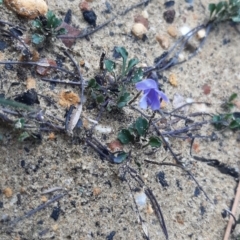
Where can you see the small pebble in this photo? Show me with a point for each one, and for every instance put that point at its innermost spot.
(30, 83)
(55, 227)
(163, 41)
(173, 79)
(139, 30)
(141, 199)
(169, 15)
(44, 199)
(145, 14)
(55, 213)
(181, 57)
(169, 4)
(149, 209)
(96, 191)
(172, 31)
(201, 34)
(27, 8)
(3, 45)
(90, 17)
(142, 20)
(8, 192)
(84, 6)
(184, 30)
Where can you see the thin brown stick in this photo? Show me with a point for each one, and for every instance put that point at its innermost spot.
(234, 209)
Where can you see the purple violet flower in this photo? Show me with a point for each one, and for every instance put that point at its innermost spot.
(152, 94)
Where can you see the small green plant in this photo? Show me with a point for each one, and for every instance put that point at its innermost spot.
(136, 130)
(224, 11)
(122, 77)
(227, 120)
(47, 27)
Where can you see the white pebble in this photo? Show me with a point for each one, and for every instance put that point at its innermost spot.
(184, 30)
(141, 199)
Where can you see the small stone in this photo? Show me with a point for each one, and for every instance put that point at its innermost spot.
(84, 6)
(51, 136)
(184, 30)
(163, 104)
(145, 14)
(173, 79)
(163, 41)
(142, 20)
(8, 192)
(30, 83)
(149, 209)
(55, 213)
(90, 17)
(169, 15)
(139, 30)
(55, 227)
(201, 34)
(44, 199)
(82, 63)
(181, 57)
(172, 31)
(27, 8)
(96, 191)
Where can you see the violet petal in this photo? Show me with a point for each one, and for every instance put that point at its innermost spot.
(146, 84)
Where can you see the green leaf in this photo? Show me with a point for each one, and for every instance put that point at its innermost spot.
(93, 84)
(232, 97)
(37, 24)
(124, 54)
(109, 65)
(1, 1)
(37, 38)
(12, 103)
(137, 76)
(236, 115)
(155, 141)
(234, 124)
(120, 157)
(132, 62)
(23, 136)
(211, 8)
(236, 19)
(123, 99)
(219, 7)
(99, 99)
(141, 126)
(62, 31)
(125, 136)
(49, 14)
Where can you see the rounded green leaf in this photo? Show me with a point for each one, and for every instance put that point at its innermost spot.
(37, 38)
(137, 76)
(132, 62)
(155, 141)
(141, 126)
(109, 65)
(123, 99)
(125, 136)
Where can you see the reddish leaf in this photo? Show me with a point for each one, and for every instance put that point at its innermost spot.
(115, 145)
(206, 89)
(43, 71)
(71, 32)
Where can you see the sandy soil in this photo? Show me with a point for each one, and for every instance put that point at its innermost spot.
(97, 202)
